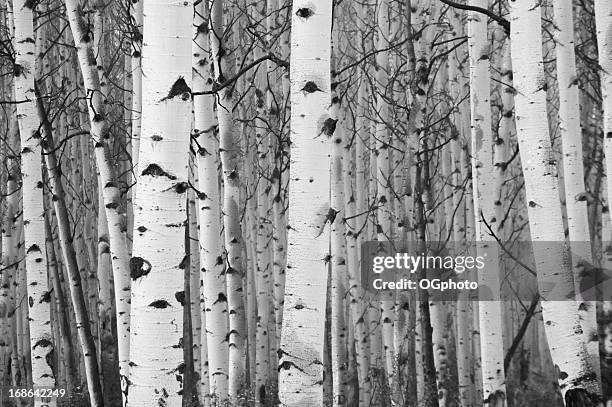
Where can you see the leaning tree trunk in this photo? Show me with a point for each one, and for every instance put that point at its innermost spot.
(160, 213)
(573, 167)
(301, 370)
(577, 379)
(110, 189)
(83, 328)
(41, 342)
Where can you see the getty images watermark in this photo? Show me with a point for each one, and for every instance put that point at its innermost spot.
(489, 271)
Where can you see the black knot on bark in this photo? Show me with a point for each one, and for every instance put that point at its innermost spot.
(31, 4)
(180, 297)
(181, 187)
(311, 87)
(179, 88)
(33, 248)
(221, 298)
(160, 304)
(139, 267)
(286, 365)
(304, 12)
(46, 297)
(329, 127)
(155, 170)
(43, 343)
(17, 70)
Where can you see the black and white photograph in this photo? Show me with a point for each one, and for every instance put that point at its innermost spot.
(305, 203)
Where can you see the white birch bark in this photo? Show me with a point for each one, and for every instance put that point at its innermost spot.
(573, 168)
(214, 322)
(263, 274)
(98, 124)
(339, 271)
(136, 7)
(464, 309)
(160, 213)
(577, 379)
(41, 343)
(383, 176)
(229, 151)
(300, 376)
(483, 173)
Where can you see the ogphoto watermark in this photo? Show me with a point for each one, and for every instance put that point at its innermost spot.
(451, 271)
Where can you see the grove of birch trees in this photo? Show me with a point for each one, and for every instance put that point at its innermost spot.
(186, 188)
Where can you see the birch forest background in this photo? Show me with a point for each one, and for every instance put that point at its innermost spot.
(185, 188)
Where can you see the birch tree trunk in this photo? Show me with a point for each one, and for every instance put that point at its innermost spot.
(483, 173)
(300, 364)
(160, 208)
(603, 22)
(229, 150)
(214, 323)
(88, 349)
(577, 379)
(339, 271)
(136, 8)
(573, 167)
(111, 194)
(41, 343)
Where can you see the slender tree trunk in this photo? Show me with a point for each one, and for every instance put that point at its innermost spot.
(88, 348)
(483, 173)
(573, 168)
(339, 271)
(300, 381)
(41, 343)
(577, 379)
(214, 322)
(229, 153)
(98, 123)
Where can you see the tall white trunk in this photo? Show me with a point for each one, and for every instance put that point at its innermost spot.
(110, 188)
(32, 188)
(229, 149)
(214, 319)
(136, 7)
(573, 168)
(339, 271)
(561, 321)
(160, 213)
(301, 370)
(483, 173)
